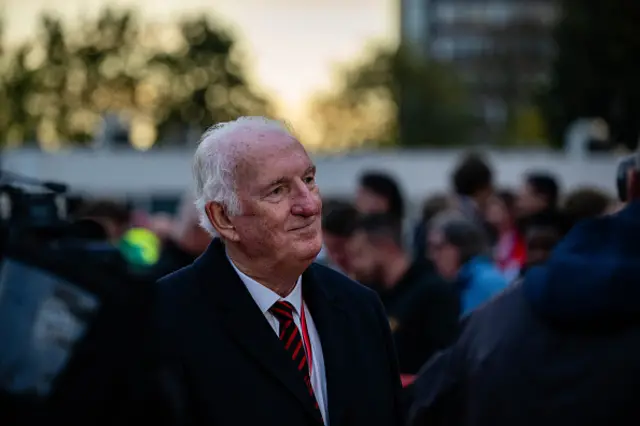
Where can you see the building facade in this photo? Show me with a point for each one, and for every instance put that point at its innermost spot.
(501, 49)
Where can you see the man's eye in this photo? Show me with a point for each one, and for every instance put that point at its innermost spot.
(310, 179)
(276, 191)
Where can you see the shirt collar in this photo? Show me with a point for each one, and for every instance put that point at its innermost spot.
(265, 297)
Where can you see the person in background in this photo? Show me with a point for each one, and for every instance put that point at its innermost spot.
(539, 218)
(537, 196)
(422, 308)
(435, 204)
(472, 182)
(186, 241)
(162, 224)
(585, 203)
(140, 218)
(338, 225)
(543, 232)
(561, 347)
(460, 252)
(510, 251)
(114, 218)
(378, 192)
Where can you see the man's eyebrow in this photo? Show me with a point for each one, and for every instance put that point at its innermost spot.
(283, 179)
(277, 181)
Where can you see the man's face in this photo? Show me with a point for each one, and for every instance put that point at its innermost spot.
(367, 202)
(336, 247)
(280, 202)
(445, 256)
(364, 259)
(528, 201)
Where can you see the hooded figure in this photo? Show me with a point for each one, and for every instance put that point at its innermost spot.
(561, 347)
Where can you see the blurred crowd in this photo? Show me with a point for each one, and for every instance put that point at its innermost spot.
(469, 243)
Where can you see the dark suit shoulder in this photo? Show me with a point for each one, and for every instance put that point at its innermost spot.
(180, 275)
(173, 295)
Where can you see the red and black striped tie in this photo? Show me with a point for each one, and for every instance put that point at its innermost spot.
(290, 337)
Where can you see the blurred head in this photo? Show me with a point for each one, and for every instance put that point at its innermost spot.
(338, 225)
(585, 203)
(256, 190)
(374, 246)
(113, 217)
(540, 243)
(452, 241)
(186, 230)
(500, 211)
(473, 178)
(542, 234)
(379, 193)
(161, 224)
(538, 192)
(434, 205)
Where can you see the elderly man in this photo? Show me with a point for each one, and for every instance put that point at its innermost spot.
(253, 333)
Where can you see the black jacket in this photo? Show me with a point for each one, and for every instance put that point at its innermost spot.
(562, 347)
(214, 359)
(423, 311)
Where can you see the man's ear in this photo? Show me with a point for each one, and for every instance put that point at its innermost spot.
(221, 221)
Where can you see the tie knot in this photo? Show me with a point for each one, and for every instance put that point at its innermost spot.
(282, 310)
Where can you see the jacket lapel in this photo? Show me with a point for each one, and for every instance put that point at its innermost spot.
(330, 319)
(244, 322)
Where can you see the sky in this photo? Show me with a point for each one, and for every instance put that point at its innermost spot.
(293, 46)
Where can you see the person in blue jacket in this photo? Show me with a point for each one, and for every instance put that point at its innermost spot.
(460, 250)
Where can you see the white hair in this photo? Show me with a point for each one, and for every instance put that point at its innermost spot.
(216, 158)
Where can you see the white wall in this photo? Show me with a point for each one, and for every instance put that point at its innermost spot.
(420, 172)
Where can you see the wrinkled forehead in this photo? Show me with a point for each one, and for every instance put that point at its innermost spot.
(270, 157)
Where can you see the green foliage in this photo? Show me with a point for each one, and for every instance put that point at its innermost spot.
(526, 127)
(596, 72)
(391, 91)
(433, 103)
(56, 87)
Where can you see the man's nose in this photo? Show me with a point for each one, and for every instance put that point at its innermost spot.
(306, 203)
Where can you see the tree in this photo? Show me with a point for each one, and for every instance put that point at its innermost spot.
(595, 72)
(390, 98)
(163, 80)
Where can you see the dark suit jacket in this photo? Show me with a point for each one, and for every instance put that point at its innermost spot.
(423, 311)
(217, 361)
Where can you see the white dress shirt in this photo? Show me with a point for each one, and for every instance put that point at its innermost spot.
(265, 298)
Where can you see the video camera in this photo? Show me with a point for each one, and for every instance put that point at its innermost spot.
(57, 283)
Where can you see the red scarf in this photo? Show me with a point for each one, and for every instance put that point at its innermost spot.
(511, 251)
